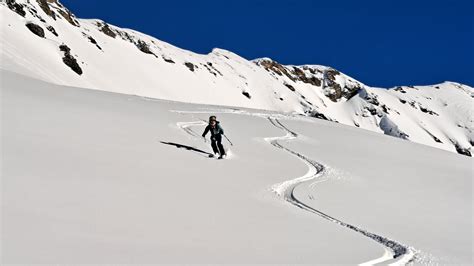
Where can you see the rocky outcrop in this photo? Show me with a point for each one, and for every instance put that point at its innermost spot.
(69, 60)
(45, 6)
(104, 27)
(191, 66)
(301, 76)
(246, 94)
(52, 30)
(36, 29)
(273, 66)
(15, 7)
(461, 150)
(69, 17)
(144, 47)
(334, 91)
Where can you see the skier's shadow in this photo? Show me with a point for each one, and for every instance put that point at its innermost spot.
(189, 148)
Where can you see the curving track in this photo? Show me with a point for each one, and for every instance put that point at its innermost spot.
(398, 254)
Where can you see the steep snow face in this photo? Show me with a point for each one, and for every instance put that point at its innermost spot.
(43, 39)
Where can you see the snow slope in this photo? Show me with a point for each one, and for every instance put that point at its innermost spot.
(126, 61)
(97, 177)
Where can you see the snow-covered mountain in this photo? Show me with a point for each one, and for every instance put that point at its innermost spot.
(44, 40)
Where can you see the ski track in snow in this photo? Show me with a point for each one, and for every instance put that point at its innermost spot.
(395, 252)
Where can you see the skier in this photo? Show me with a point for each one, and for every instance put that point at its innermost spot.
(216, 136)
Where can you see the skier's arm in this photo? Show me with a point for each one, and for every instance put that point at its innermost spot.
(221, 130)
(205, 132)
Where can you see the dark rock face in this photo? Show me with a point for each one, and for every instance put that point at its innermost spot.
(301, 76)
(400, 89)
(52, 30)
(246, 94)
(69, 17)
(191, 66)
(290, 87)
(402, 101)
(335, 91)
(69, 60)
(214, 68)
(44, 5)
(463, 151)
(93, 41)
(106, 30)
(275, 67)
(15, 7)
(168, 60)
(143, 46)
(36, 29)
(428, 111)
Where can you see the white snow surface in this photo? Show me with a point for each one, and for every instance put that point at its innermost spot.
(96, 177)
(440, 115)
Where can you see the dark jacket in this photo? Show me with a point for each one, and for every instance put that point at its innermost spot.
(215, 131)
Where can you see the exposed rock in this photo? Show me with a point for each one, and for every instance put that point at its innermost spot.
(36, 29)
(167, 59)
(15, 7)
(210, 70)
(143, 46)
(461, 150)
(104, 27)
(215, 69)
(273, 66)
(52, 30)
(400, 89)
(300, 75)
(191, 66)
(44, 5)
(290, 87)
(402, 101)
(246, 94)
(69, 60)
(333, 90)
(372, 98)
(426, 110)
(69, 17)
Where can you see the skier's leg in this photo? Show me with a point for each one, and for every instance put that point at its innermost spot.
(221, 147)
(214, 146)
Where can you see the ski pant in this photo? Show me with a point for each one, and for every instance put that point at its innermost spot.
(216, 144)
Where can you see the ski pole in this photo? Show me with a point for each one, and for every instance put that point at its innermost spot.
(228, 140)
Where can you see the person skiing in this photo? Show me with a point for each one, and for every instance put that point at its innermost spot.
(216, 136)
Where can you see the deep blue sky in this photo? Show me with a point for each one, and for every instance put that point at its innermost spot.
(379, 42)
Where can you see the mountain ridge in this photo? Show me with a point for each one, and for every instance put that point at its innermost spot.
(45, 40)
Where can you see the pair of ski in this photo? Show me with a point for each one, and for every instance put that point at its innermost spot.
(214, 156)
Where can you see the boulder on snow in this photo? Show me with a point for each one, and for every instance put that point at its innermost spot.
(246, 94)
(191, 66)
(69, 60)
(52, 30)
(36, 29)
